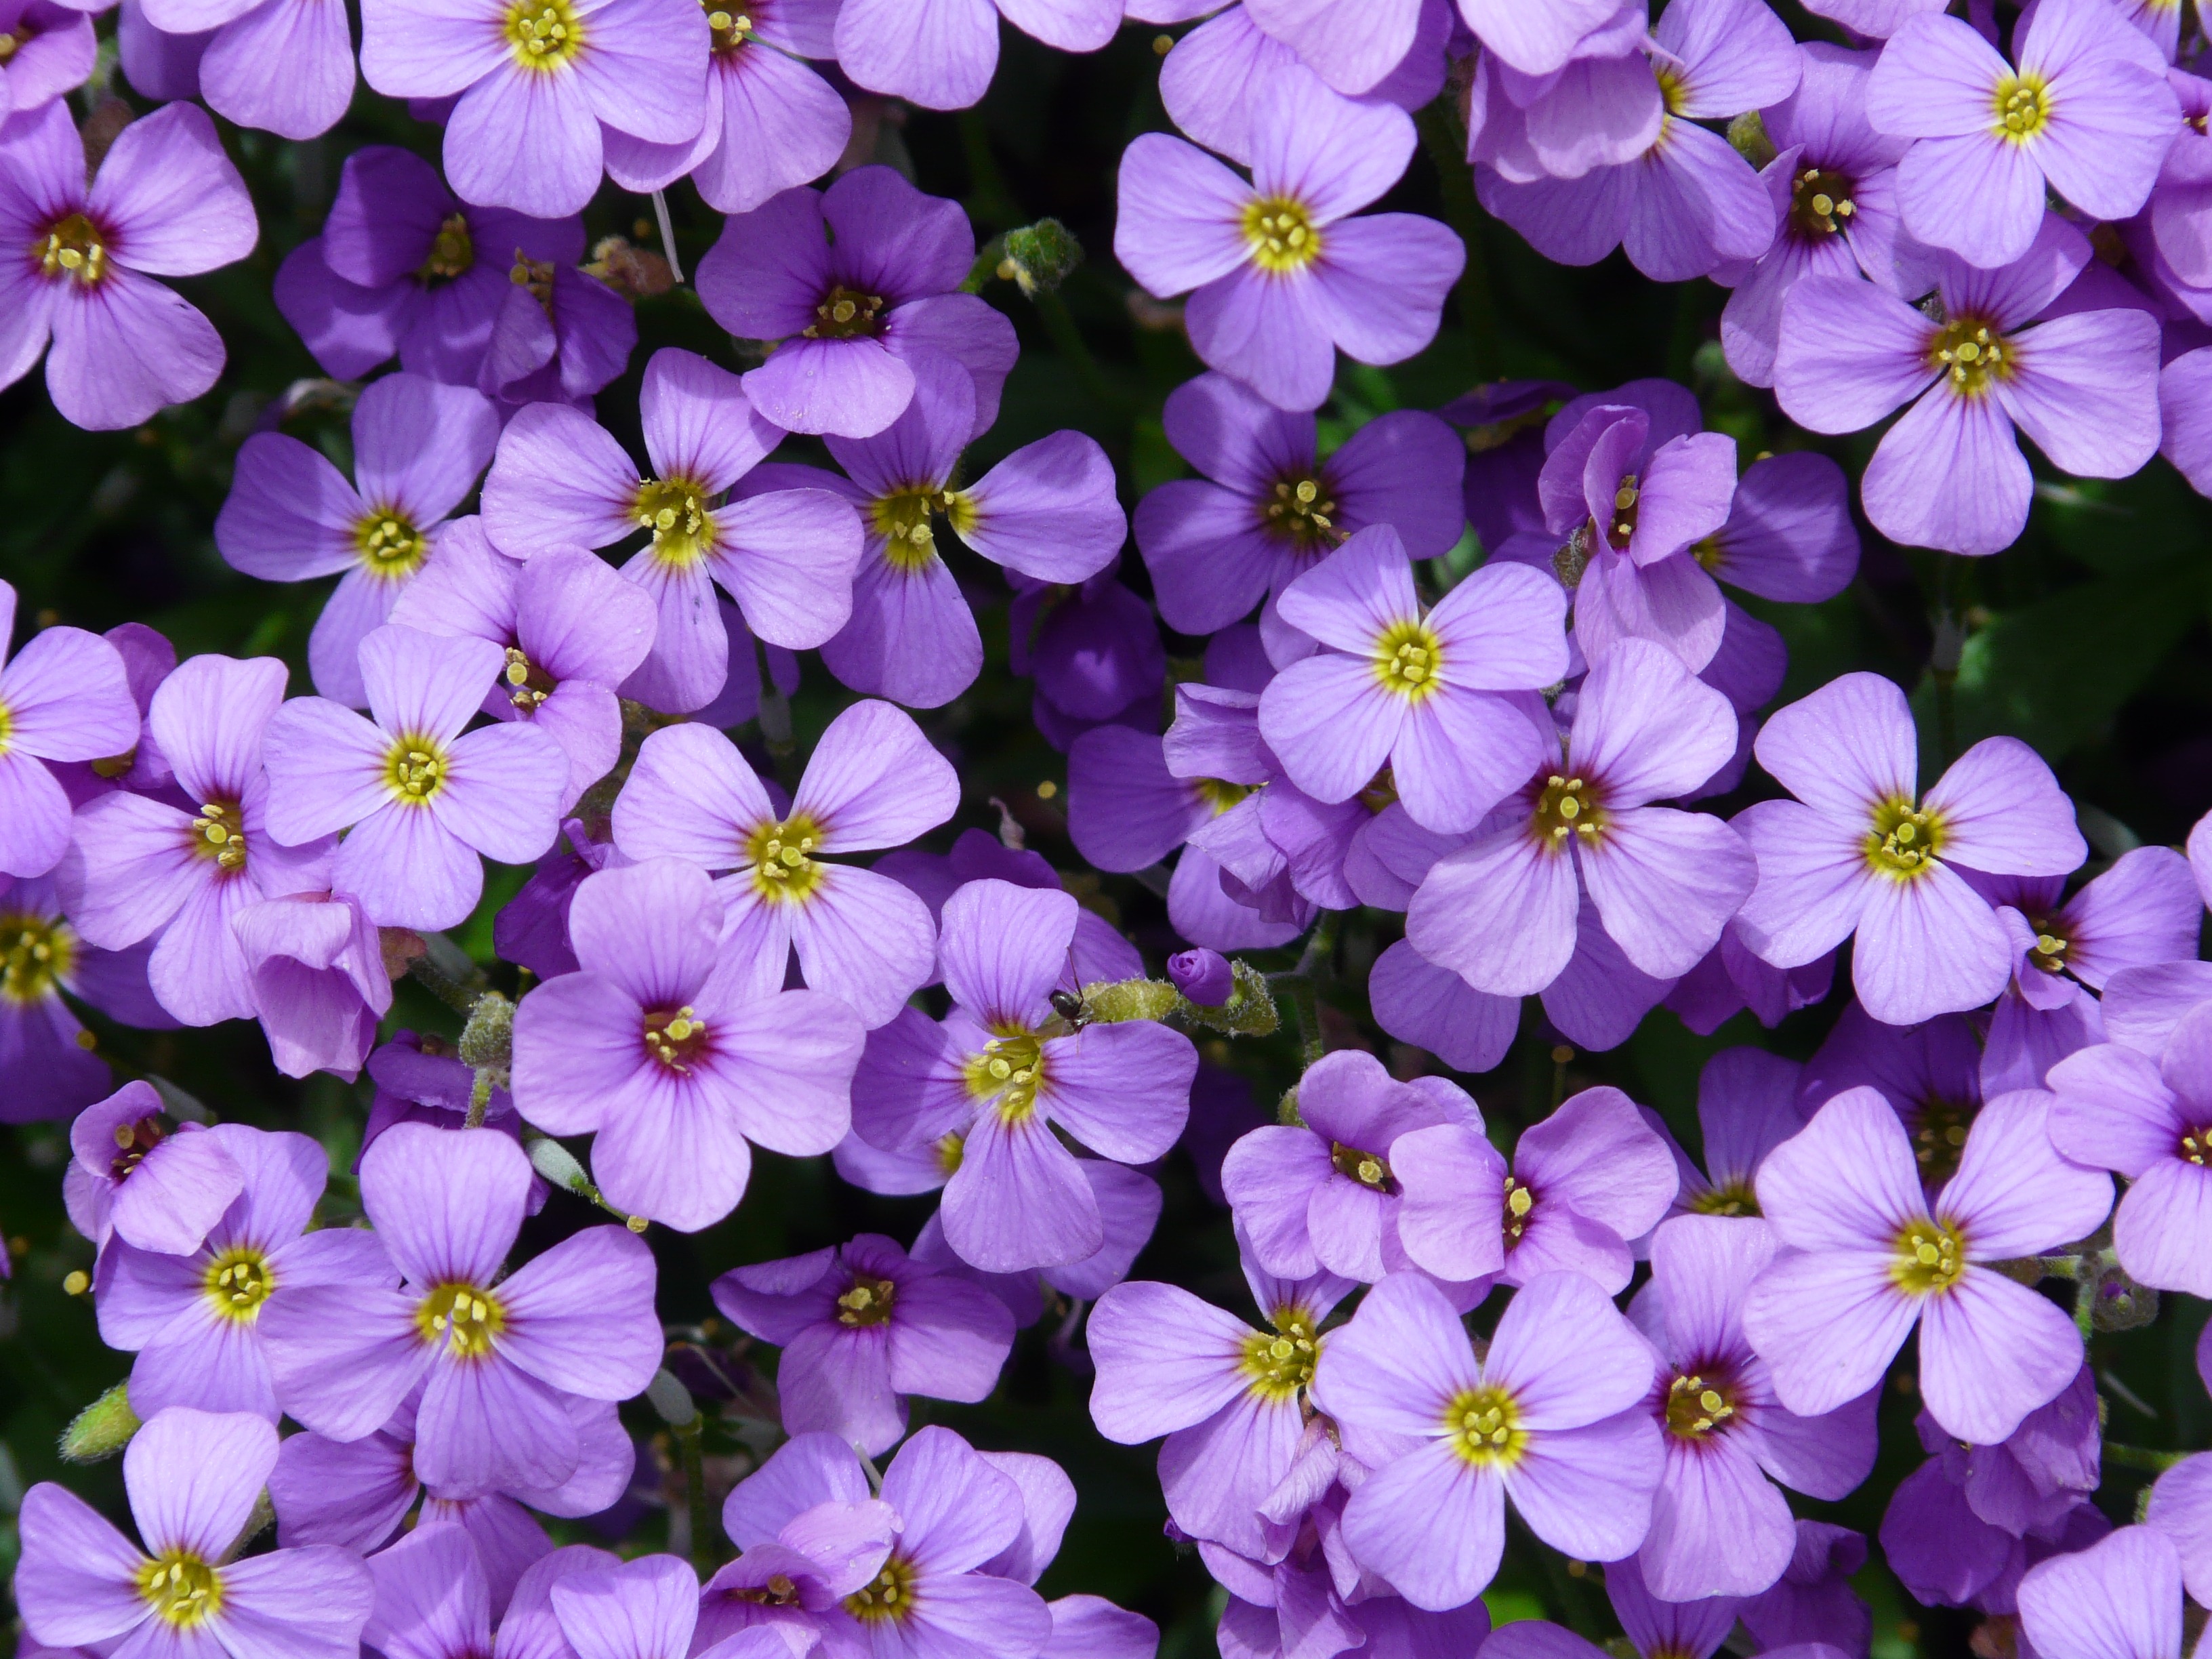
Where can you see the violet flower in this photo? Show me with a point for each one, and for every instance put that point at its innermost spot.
(436, 1597)
(787, 557)
(862, 1325)
(1094, 649)
(54, 53)
(1204, 977)
(1929, 1073)
(670, 1049)
(560, 334)
(2087, 114)
(422, 799)
(1282, 275)
(541, 91)
(497, 1358)
(192, 1478)
(1873, 1256)
(194, 1319)
(1005, 1069)
(49, 1063)
(166, 202)
(1949, 475)
(1548, 1417)
(1268, 507)
(1814, 1600)
(873, 781)
(1129, 1203)
(315, 966)
(940, 54)
(1861, 849)
(64, 696)
(2118, 1598)
(790, 1575)
(285, 66)
(156, 1188)
(1747, 1105)
(418, 450)
(854, 281)
(573, 630)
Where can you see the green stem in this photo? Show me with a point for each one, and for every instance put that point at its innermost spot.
(691, 1440)
(1445, 140)
(2085, 1305)
(1059, 325)
(2141, 1457)
(459, 997)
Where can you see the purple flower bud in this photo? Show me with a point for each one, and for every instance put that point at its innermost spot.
(1203, 975)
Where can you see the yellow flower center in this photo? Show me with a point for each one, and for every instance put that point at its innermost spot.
(1220, 794)
(1283, 238)
(1621, 522)
(1281, 1362)
(238, 1282)
(527, 684)
(133, 1141)
(1568, 807)
(902, 519)
(2196, 1145)
(675, 1037)
(390, 546)
(2022, 106)
(2048, 951)
(1696, 1406)
(889, 1594)
(544, 34)
(1930, 1256)
(218, 833)
(1365, 1168)
(1520, 1200)
(463, 1317)
(675, 511)
(1821, 202)
(1735, 1198)
(728, 27)
(781, 855)
(1011, 1068)
(12, 42)
(846, 313)
(1973, 353)
(451, 252)
(35, 955)
(183, 1589)
(1904, 840)
(1484, 1425)
(534, 275)
(1939, 1136)
(415, 770)
(1406, 658)
(868, 1303)
(950, 1148)
(1302, 511)
(73, 247)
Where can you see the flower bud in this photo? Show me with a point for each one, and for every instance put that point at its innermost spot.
(1203, 975)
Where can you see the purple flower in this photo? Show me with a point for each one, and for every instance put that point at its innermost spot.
(285, 66)
(2119, 1599)
(1879, 1256)
(2149, 1120)
(2180, 1506)
(436, 1595)
(531, 928)
(1747, 1105)
(1095, 651)
(854, 281)
(786, 556)
(940, 53)
(154, 1189)
(290, 515)
(560, 334)
(1549, 1416)
(1732, 979)
(671, 1050)
(1861, 850)
(403, 264)
(958, 1516)
(1428, 695)
(1718, 1528)
(1949, 475)
(1230, 1399)
(422, 799)
(1502, 912)
(147, 660)
(1047, 512)
(48, 1066)
(772, 123)
(1203, 977)
(1812, 1601)
(194, 1319)
(573, 630)
(862, 1324)
(1283, 276)
(54, 53)
(497, 1358)
(788, 1577)
(2087, 114)
(1129, 1209)
(1929, 1073)
(873, 781)
(316, 970)
(167, 203)
(1268, 507)
(1323, 1195)
(542, 91)
(65, 697)
(192, 1478)
(146, 868)
(1005, 1070)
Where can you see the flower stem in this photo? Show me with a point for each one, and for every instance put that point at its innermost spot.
(1445, 139)
(2141, 1457)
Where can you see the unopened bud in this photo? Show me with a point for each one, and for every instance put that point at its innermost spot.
(102, 1428)
(1203, 975)
(1043, 255)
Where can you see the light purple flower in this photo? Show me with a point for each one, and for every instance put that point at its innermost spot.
(64, 696)
(853, 282)
(1861, 849)
(1094, 649)
(1128, 1202)
(437, 1593)
(49, 1066)
(1718, 1526)
(194, 1320)
(1428, 695)
(1502, 912)
(542, 90)
(1282, 275)
(156, 1188)
(1814, 1600)
(940, 54)
(54, 53)
(1203, 977)
(1654, 1629)
(1005, 1070)
(1747, 1106)
(862, 1325)
(787, 557)
(671, 1050)
(1731, 979)
(1047, 512)
(1268, 507)
(418, 449)
(873, 781)
(1949, 475)
(2087, 114)
(285, 66)
(2119, 1599)
(1873, 1256)
(145, 868)
(787, 1578)
(167, 203)
(573, 630)
(316, 970)
(561, 334)
(423, 798)
(192, 1478)
(1549, 1417)
(1929, 1073)
(497, 1358)
(1229, 1399)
